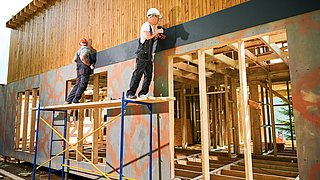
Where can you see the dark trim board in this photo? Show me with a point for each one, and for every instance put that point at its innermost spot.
(242, 16)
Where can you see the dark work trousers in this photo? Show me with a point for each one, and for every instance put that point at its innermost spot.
(81, 85)
(143, 67)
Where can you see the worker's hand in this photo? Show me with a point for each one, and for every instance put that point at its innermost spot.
(91, 66)
(162, 36)
(159, 31)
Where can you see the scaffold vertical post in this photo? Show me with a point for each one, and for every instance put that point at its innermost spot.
(150, 150)
(122, 134)
(36, 145)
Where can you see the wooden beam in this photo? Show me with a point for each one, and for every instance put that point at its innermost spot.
(32, 7)
(280, 37)
(171, 116)
(23, 14)
(68, 89)
(186, 67)
(277, 94)
(184, 117)
(33, 118)
(43, 1)
(19, 18)
(224, 177)
(272, 166)
(96, 120)
(236, 127)
(255, 119)
(255, 175)
(186, 173)
(227, 113)
(225, 59)
(187, 75)
(267, 171)
(244, 110)
(18, 120)
(251, 57)
(80, 123)
(37, 3)
(203, 116)
(25, 120)
(272, 117)
(27, 10)
(274, 48)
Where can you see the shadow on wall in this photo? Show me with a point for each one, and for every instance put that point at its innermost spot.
(177, 33)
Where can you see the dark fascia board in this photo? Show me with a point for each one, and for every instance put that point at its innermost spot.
(242, 16)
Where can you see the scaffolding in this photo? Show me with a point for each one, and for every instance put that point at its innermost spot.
(123, 103)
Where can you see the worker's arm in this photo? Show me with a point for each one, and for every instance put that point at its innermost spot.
(84, 59)
(150, 36)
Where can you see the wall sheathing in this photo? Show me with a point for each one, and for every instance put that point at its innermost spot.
(303, 37)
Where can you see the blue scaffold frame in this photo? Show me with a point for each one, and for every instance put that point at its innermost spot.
(124, 103)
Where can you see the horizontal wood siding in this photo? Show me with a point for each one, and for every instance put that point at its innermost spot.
(49, 39)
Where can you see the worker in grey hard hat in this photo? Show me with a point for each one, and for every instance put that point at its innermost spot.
(150, 32)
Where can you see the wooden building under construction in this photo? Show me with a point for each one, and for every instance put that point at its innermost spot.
(244, 75)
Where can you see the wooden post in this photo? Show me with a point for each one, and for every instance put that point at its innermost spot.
(80, 129)
(25, 120)
(96, 121)
(272, 117)
(255, 120)
(68, 88)
(33, 119)
(203, 116)
(18, 123)
(184, 117)
(264, 119)
(227, 113)
(235, 118)
(171, 116)
(219, 120)
(244, 109)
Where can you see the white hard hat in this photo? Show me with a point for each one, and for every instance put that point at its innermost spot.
(152, 12)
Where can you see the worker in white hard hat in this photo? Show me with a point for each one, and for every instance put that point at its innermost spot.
(149, 34)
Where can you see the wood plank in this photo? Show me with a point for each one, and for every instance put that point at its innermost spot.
(203, 116)
(255, 119)
(256, 176)
(279, 163)
(96, 120)
(18, 121)
(184, 117)
(227, 113)
(171, 116)
(244, 110)
(186, 173)
(267, 171)
(271, 166)
(33, 118)
(107, 103)
(235, 117)
(25, 120)
(211, 165)
(272, 116)
(80, 124)
(224, 177)
(68, 88)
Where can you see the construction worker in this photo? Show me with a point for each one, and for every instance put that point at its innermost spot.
(149, 34)
(82, 58)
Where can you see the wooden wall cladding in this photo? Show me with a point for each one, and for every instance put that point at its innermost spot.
(49, 39)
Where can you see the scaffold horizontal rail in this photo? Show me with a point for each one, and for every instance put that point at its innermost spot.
(106, 104)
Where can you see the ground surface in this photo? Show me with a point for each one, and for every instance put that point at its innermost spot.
(14, 167)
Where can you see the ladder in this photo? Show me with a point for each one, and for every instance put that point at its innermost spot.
(52, 140)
